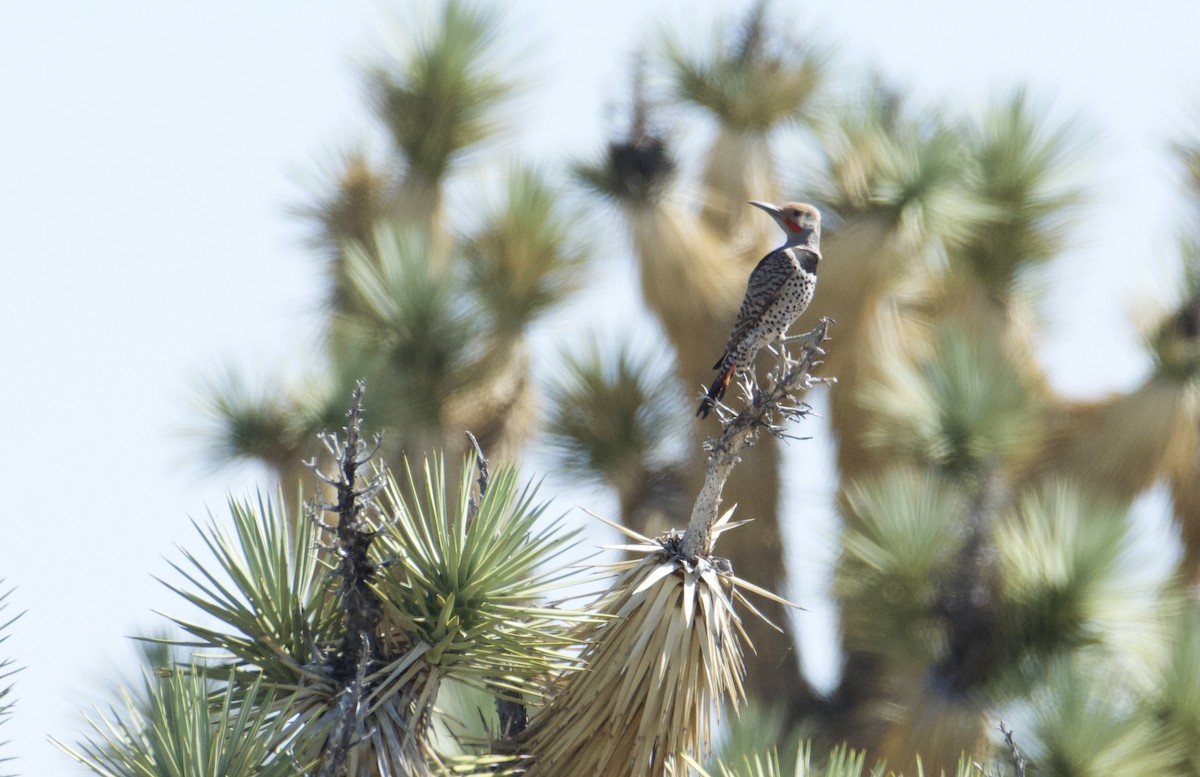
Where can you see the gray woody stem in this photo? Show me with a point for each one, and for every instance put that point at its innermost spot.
(790, 376)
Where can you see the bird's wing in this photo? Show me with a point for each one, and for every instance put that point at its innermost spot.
(764, 288)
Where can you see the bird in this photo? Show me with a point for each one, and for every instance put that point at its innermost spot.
(780, 288)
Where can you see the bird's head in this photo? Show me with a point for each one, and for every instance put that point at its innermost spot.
(800, 221)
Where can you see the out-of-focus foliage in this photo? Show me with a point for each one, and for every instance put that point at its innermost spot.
(615, 415)
(439, 100)
(956, 412)
(431, 306)
(760, 79)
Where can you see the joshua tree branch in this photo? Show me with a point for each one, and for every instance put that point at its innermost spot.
(770, 407)
(354, 659)
(485, 477)
(1018, 760)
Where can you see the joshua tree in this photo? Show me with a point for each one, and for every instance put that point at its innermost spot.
(430, 304)
(986, 563)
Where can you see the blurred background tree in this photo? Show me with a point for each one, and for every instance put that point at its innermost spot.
(430, 304)
(988, 563)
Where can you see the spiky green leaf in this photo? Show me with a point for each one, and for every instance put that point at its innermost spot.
(267, 597)
(468, 581)
(188, 731)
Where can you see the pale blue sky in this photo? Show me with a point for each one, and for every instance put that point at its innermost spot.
(149, 152)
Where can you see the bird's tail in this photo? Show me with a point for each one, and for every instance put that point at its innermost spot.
(717, 389)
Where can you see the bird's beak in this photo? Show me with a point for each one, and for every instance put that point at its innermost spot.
(768, 207)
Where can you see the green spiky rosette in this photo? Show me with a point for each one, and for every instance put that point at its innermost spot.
(355, 627)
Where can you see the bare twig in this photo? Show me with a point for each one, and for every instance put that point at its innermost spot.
(1018, 760)
(484, 477)
(362, 610)
(769, 407)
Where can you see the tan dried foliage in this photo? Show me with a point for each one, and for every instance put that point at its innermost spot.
(656, 671)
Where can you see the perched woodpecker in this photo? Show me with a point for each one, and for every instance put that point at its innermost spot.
(780, 288)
